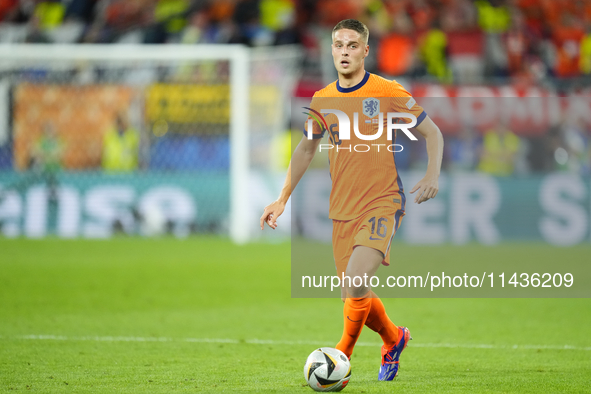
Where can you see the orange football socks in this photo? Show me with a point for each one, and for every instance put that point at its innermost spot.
(378, 321)
(355, 313)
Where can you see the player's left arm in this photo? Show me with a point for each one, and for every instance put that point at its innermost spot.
(429, 186)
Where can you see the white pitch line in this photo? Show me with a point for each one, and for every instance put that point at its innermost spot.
(284, 343)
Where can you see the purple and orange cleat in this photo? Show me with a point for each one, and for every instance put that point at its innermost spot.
(391, 357)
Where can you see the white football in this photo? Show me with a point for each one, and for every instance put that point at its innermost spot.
(327, 369)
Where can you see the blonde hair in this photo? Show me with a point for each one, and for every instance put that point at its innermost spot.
(355, 25)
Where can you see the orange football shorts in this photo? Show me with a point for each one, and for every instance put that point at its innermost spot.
(374, 229)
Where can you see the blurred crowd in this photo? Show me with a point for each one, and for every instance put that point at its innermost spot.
(501, 152)
(441, 41)
(151, 21)
(465, 40)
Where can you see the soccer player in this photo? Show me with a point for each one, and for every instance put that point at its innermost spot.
(367, 199)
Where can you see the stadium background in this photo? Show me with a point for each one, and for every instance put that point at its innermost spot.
(158, 191)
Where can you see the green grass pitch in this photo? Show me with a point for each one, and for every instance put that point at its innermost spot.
(165, 315)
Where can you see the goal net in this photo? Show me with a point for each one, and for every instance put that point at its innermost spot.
(100, 140)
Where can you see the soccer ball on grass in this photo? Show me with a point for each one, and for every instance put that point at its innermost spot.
(327, 369)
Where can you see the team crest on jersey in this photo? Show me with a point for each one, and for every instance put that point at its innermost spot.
(371, 107)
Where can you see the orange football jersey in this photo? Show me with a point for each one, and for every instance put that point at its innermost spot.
(362, 167)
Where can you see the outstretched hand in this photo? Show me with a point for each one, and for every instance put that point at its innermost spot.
(271, 214)
(427, 189)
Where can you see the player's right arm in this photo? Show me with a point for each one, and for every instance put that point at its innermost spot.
(300, 160)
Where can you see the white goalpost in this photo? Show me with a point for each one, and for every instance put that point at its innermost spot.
(272, 71)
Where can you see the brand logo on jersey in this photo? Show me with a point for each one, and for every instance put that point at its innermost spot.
(371, 107)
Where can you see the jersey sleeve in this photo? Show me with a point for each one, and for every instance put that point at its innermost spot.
(317, 119)
(402, 101)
